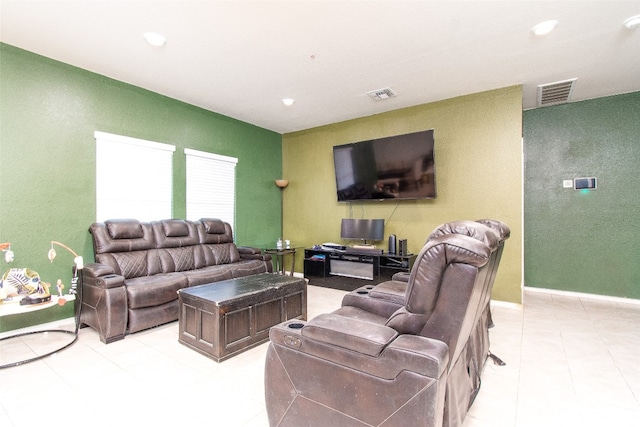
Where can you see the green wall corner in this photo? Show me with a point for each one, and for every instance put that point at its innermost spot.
(48, 114)
(583, 241)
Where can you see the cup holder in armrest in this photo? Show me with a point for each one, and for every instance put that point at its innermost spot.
(295, 325)
(362, 292)
(110, 281)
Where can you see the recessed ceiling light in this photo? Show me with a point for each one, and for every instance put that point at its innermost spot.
(155, 39)
(288, 101)
(632, 22)
(544, 28)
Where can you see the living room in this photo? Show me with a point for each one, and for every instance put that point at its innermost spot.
(494, 160)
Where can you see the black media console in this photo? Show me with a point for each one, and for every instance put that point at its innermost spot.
(350, 270)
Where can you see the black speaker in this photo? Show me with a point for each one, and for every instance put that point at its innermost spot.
(392, 244)
(403, 247)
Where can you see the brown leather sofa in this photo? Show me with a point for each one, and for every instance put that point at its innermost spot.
(415, 367)
(140, 266)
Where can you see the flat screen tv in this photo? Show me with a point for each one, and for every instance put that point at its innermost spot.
(362, 229)
(396, 167)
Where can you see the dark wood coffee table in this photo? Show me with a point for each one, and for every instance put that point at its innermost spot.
(225, 318)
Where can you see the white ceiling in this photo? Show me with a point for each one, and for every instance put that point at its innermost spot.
(240, 58)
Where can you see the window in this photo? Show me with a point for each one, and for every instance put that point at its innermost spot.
(134, 178)
(211, 186)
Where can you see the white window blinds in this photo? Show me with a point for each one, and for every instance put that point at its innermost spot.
(134, 178)
(211, 186)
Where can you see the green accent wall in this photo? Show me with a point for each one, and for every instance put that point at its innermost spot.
(478, 152)
(583, 241)
(48, 114)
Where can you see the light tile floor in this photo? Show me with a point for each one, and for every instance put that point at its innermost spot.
(571, 361)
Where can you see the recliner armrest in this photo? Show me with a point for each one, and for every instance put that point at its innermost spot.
(410, 353)
(415, 353)
(401, 276)
(413, 346)
(351, 334)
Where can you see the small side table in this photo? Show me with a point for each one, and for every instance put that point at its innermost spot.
(279, 257)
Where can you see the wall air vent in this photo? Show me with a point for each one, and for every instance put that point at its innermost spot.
(555, 93)
(381, 94)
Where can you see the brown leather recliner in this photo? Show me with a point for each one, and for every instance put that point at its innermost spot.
(355, 368)
(504, 232)
(387, 297)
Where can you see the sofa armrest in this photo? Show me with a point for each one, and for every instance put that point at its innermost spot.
(101, 276)
(104, 302)
(248, 252)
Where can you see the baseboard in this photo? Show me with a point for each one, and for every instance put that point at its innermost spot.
(506, 304)
(582, 295)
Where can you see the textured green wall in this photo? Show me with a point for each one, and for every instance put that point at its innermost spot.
(583, 241)
(48, 113)
(478, 151)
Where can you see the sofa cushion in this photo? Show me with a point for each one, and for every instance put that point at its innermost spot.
(124, 228)
(214, 231)
(214, 273)
(392, 291)
(132, 264)
(213, 226)
(175, 228)
(360, 314)
(217, 254)
(121, 236)
(149, 291)
(148, 317)
(177, 259)
(175, 233)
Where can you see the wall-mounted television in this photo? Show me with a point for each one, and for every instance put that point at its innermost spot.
(396, 167)
(362, 229)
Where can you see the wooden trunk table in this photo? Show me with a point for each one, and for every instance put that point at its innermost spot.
(225, 318)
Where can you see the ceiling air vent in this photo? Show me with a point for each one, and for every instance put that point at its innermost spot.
(555, 93)
(381, 94)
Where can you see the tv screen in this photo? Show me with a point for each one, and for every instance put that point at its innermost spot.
(362, 229)
(396, 167)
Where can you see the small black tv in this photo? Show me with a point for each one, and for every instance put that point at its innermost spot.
(362, 229)
(396, 167)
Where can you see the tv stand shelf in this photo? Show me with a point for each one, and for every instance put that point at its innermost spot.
(348, 271)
